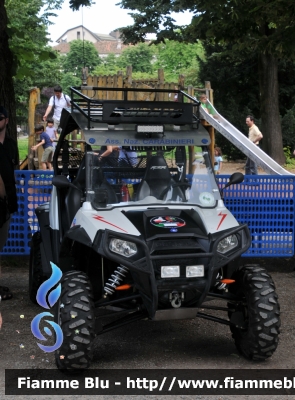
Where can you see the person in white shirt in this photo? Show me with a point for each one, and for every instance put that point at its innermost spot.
(255, 136)
(58, 101)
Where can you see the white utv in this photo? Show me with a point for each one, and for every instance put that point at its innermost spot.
(142, 239)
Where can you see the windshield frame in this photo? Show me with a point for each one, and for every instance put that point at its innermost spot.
(197, 189)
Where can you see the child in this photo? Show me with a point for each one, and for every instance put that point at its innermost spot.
(51, 132)
(47, 146)
(218, 160)
(207, 107)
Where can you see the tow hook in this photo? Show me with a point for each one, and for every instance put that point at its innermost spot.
(176, 299)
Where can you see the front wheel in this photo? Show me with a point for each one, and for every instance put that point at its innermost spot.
(255, 316)
(74, 313)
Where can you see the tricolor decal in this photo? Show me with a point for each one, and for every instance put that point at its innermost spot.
(101, 219)
(168, 222)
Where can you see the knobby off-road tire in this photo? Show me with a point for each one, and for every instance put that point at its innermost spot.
(36, 277)
(257, 314)
(74, 313)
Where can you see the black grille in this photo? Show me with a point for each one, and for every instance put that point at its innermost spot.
(176, 246)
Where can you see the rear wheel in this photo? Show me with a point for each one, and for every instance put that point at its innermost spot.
(255, 316)
(36, 277)
(75, 315)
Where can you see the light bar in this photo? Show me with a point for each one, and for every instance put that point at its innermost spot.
(194, 271)
(150, 128)
(170, 271)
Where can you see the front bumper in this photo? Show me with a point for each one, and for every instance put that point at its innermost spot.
(145, 265)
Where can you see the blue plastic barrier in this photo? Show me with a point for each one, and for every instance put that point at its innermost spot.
(33, 188)
(264, 202)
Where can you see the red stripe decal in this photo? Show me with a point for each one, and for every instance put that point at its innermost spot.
(222, 219)
(106, 222)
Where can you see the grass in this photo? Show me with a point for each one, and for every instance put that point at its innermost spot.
(22, 148)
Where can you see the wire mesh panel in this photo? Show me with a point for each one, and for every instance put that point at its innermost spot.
(33, 189)
(266, 204)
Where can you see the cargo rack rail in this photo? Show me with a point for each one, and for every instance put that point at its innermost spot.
(128, 111)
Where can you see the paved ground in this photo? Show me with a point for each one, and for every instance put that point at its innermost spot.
(154, 345)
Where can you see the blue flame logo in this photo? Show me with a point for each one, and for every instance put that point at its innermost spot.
(46, 298)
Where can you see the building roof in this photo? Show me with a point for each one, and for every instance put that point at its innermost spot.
(62, 48)
(103, 36)
(98, 36)
(107, 47)
(104, 47)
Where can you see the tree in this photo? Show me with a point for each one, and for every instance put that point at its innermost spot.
(108, 65)
(140, 57)
(22, 41)
(68, 80)
(37, 65)
(236, 92)
(288, 125)
(7, 68)
(9, 61)
(253, 27)
(82, 54)
(174, 57)
(179, 58)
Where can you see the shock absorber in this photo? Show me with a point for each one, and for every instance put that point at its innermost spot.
(115, 279)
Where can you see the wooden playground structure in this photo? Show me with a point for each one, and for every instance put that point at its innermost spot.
(119, 80)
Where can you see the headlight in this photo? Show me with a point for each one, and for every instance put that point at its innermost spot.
(122, 247)
(227, 244)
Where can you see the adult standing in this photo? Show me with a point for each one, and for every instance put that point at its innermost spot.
(127, 157)
(255, 136)
(108, 156)
(9, 161)
(57, 102)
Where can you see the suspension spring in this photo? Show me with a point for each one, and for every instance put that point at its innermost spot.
(115, 279)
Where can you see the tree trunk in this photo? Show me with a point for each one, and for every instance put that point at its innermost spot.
(269, 107)
(7, 62)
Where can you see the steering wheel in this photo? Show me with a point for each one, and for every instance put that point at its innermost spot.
(171, 186)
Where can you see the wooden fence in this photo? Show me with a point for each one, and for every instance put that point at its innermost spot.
(122, 81)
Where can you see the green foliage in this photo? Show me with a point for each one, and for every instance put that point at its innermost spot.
(288, 127)
(108, 66)
(145, 75)
(236, 92)
(179, 58)
(290, 160)
(82, 54)
(76, 4)
(28, 36)
(286, 76)
(36, 65)
(140, 57)
(174, 57)
(68, 80)
(251, 26)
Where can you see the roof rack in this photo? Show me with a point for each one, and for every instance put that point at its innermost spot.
(126, 111)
